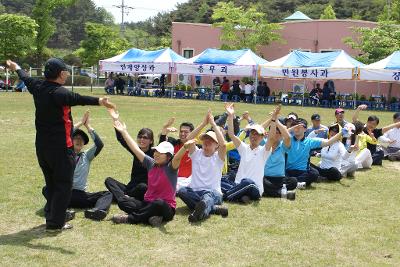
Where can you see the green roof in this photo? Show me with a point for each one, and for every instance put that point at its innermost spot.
(297, 16)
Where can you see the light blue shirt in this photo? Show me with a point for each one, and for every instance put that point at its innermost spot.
(323, 134)
(83, 161)
(275, 165)
(299, 152)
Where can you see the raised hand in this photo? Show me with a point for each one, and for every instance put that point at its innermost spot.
(362, 107)
(103, 101)
(113, 113)
(121, 127)
(229, 107)
(189, 143)
(11, 65)
(169, 123)
(211, 118)
(85, 118)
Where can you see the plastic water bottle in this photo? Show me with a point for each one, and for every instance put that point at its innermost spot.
(284, 191)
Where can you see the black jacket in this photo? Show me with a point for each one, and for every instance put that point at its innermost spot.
(53, 117)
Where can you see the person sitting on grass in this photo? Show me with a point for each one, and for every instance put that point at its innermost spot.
(248, 184)
(98, 203)
(330, 167)
(203, 195)
(159, 202)
(274, 170)
(185, 167)
(137, 186)
(298, 153)
(371, 129)
(392, 138)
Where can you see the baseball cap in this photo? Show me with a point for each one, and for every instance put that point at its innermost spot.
(291, 116)
(210, 134)
(256, 127)
(315, 117)
(164, 147)
(54, 66)
(339, 110)
(82, 134)
(396, 115)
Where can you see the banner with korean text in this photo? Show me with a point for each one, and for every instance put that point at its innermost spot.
(214, 69)
(384, 75)
(307, 73)
(156, 68)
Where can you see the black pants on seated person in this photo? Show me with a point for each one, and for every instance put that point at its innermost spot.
(85, 200)
(149, 209)
(332, 174)
(136, 190)
(273, 185)
(309, 176)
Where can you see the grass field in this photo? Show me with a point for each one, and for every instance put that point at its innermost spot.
(354, 222)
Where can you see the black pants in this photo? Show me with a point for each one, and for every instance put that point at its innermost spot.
(273, 185)
(155, 208)
(377, 157)
(308, 176)
(131, 189)
(84, 200)
(332, 174)
(125, 202)
(58, 167)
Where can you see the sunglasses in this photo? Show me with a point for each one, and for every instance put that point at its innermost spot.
(143, 137)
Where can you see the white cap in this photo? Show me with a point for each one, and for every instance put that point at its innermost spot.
(209, 134)
(164, 147)
(256, 127)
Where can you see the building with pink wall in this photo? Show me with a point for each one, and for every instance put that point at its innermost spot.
(190, 39)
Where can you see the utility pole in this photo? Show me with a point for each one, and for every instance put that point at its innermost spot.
(124, 11)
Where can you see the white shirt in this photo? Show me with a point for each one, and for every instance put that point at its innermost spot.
(206, 171)
(394, 134)
(332, 156)
(247, 89)
(252, 164)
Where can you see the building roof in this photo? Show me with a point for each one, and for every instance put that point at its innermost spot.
(298, 15)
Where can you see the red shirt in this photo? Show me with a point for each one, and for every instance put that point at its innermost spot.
(185, 167)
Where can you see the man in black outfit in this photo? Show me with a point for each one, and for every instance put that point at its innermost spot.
(54, 127)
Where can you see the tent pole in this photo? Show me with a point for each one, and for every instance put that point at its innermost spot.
(255, 86)
(304, 88)
(355, 93)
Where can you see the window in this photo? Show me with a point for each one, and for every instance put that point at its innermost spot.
(328, 50)
(187, 53)
(300, 49)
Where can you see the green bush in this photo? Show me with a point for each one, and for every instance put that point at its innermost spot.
(363, 98)
(393, 100)
(371, 99)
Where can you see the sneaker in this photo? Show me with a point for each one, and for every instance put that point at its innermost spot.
(155, 221)
(245, 200)
(120, 218)
(95, 214)
(69, 215)
(392, 158)
(221, 210)
(291, 195)
(351, 174)
(301, 185)
(198, 213)
(50, 229)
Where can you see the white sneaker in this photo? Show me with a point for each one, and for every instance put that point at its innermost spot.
(301, 185)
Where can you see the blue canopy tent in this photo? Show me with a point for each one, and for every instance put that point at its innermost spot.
(216, 62)
(307, 65)
(386, 70)
(141, 61)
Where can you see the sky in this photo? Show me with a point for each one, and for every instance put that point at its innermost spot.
(144, 9)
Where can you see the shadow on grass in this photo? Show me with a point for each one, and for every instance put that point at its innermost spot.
(183, 211)
(23, 239)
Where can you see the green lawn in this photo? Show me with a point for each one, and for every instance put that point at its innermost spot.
(354, 222)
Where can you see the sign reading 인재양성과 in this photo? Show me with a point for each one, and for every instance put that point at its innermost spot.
(135, 67)
(307, 73)
(385, 75)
